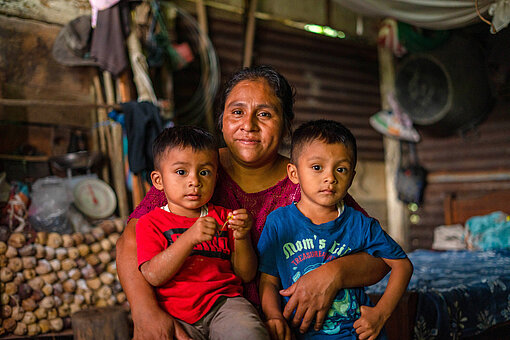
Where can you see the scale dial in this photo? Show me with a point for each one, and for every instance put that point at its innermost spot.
(95, 198)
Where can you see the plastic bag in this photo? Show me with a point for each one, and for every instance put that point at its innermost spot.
(51, 199)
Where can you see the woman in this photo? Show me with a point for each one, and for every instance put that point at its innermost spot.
(256, 113)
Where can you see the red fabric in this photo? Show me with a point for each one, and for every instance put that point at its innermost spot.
(228, 194)
(205, 275)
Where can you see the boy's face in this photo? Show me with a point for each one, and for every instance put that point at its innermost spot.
(187, 178)
(324, 172)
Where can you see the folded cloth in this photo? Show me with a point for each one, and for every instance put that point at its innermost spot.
(449, 237)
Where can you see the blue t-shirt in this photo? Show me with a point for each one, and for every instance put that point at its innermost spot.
(291, 245)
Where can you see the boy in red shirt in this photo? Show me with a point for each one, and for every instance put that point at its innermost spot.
(197, 254)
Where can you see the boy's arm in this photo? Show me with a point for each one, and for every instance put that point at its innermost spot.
(269, 287)
(373, 318)
(150, 321)
(163, 266)
(244, 259)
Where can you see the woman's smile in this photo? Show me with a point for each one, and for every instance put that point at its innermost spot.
(247, 141)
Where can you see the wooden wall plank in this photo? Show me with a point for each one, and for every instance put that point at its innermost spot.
(28, 71)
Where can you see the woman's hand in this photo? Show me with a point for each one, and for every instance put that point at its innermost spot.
(279, 329)
(240, 223)
(311, 297)
(157, 325)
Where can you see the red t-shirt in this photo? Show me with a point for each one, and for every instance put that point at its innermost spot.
(205, 275)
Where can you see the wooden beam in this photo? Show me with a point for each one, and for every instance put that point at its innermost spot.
(468, 176)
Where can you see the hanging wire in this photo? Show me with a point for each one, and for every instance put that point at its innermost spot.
(209, 83)
(483, 19)
(195, 110)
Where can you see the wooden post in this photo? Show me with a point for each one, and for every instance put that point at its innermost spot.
(250, 34)
(202, 20)
(95, 125)
(202, 16)
(397, 213)
(101, 118)
(137, 193)
(106, 323)
(116, 149)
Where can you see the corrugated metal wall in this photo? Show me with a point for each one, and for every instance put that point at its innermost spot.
(483, 153)
(334, 79)
(484, 150)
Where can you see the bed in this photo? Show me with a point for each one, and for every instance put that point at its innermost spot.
(461, 294)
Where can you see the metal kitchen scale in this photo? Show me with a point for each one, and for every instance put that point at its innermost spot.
(92, 196)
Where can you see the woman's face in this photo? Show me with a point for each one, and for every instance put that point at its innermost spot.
(253, 122)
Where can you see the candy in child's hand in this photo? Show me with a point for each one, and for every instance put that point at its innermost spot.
(225, 224)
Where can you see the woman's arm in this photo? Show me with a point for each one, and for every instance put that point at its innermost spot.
(167, 263)
(150, 321)
(311, 296)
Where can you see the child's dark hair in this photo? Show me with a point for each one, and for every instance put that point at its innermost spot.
(324, 130)
(181, 137)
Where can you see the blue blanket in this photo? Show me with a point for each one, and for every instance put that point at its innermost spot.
(461, 293)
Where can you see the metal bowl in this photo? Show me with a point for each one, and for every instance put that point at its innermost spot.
(75, 160)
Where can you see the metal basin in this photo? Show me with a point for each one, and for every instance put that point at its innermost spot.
(75, 160)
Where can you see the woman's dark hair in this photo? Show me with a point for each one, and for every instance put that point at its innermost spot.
(181, 137)
(328, 131)
(278, 83)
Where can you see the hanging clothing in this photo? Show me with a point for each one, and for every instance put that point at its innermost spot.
(100, 5)
(143, 125)
(108, 45)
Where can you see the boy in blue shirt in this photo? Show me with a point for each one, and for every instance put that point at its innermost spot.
(319, 228)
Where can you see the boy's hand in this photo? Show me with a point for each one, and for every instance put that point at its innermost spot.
(279, 329)
(202, 230)
(369, 324)
(240, 223)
